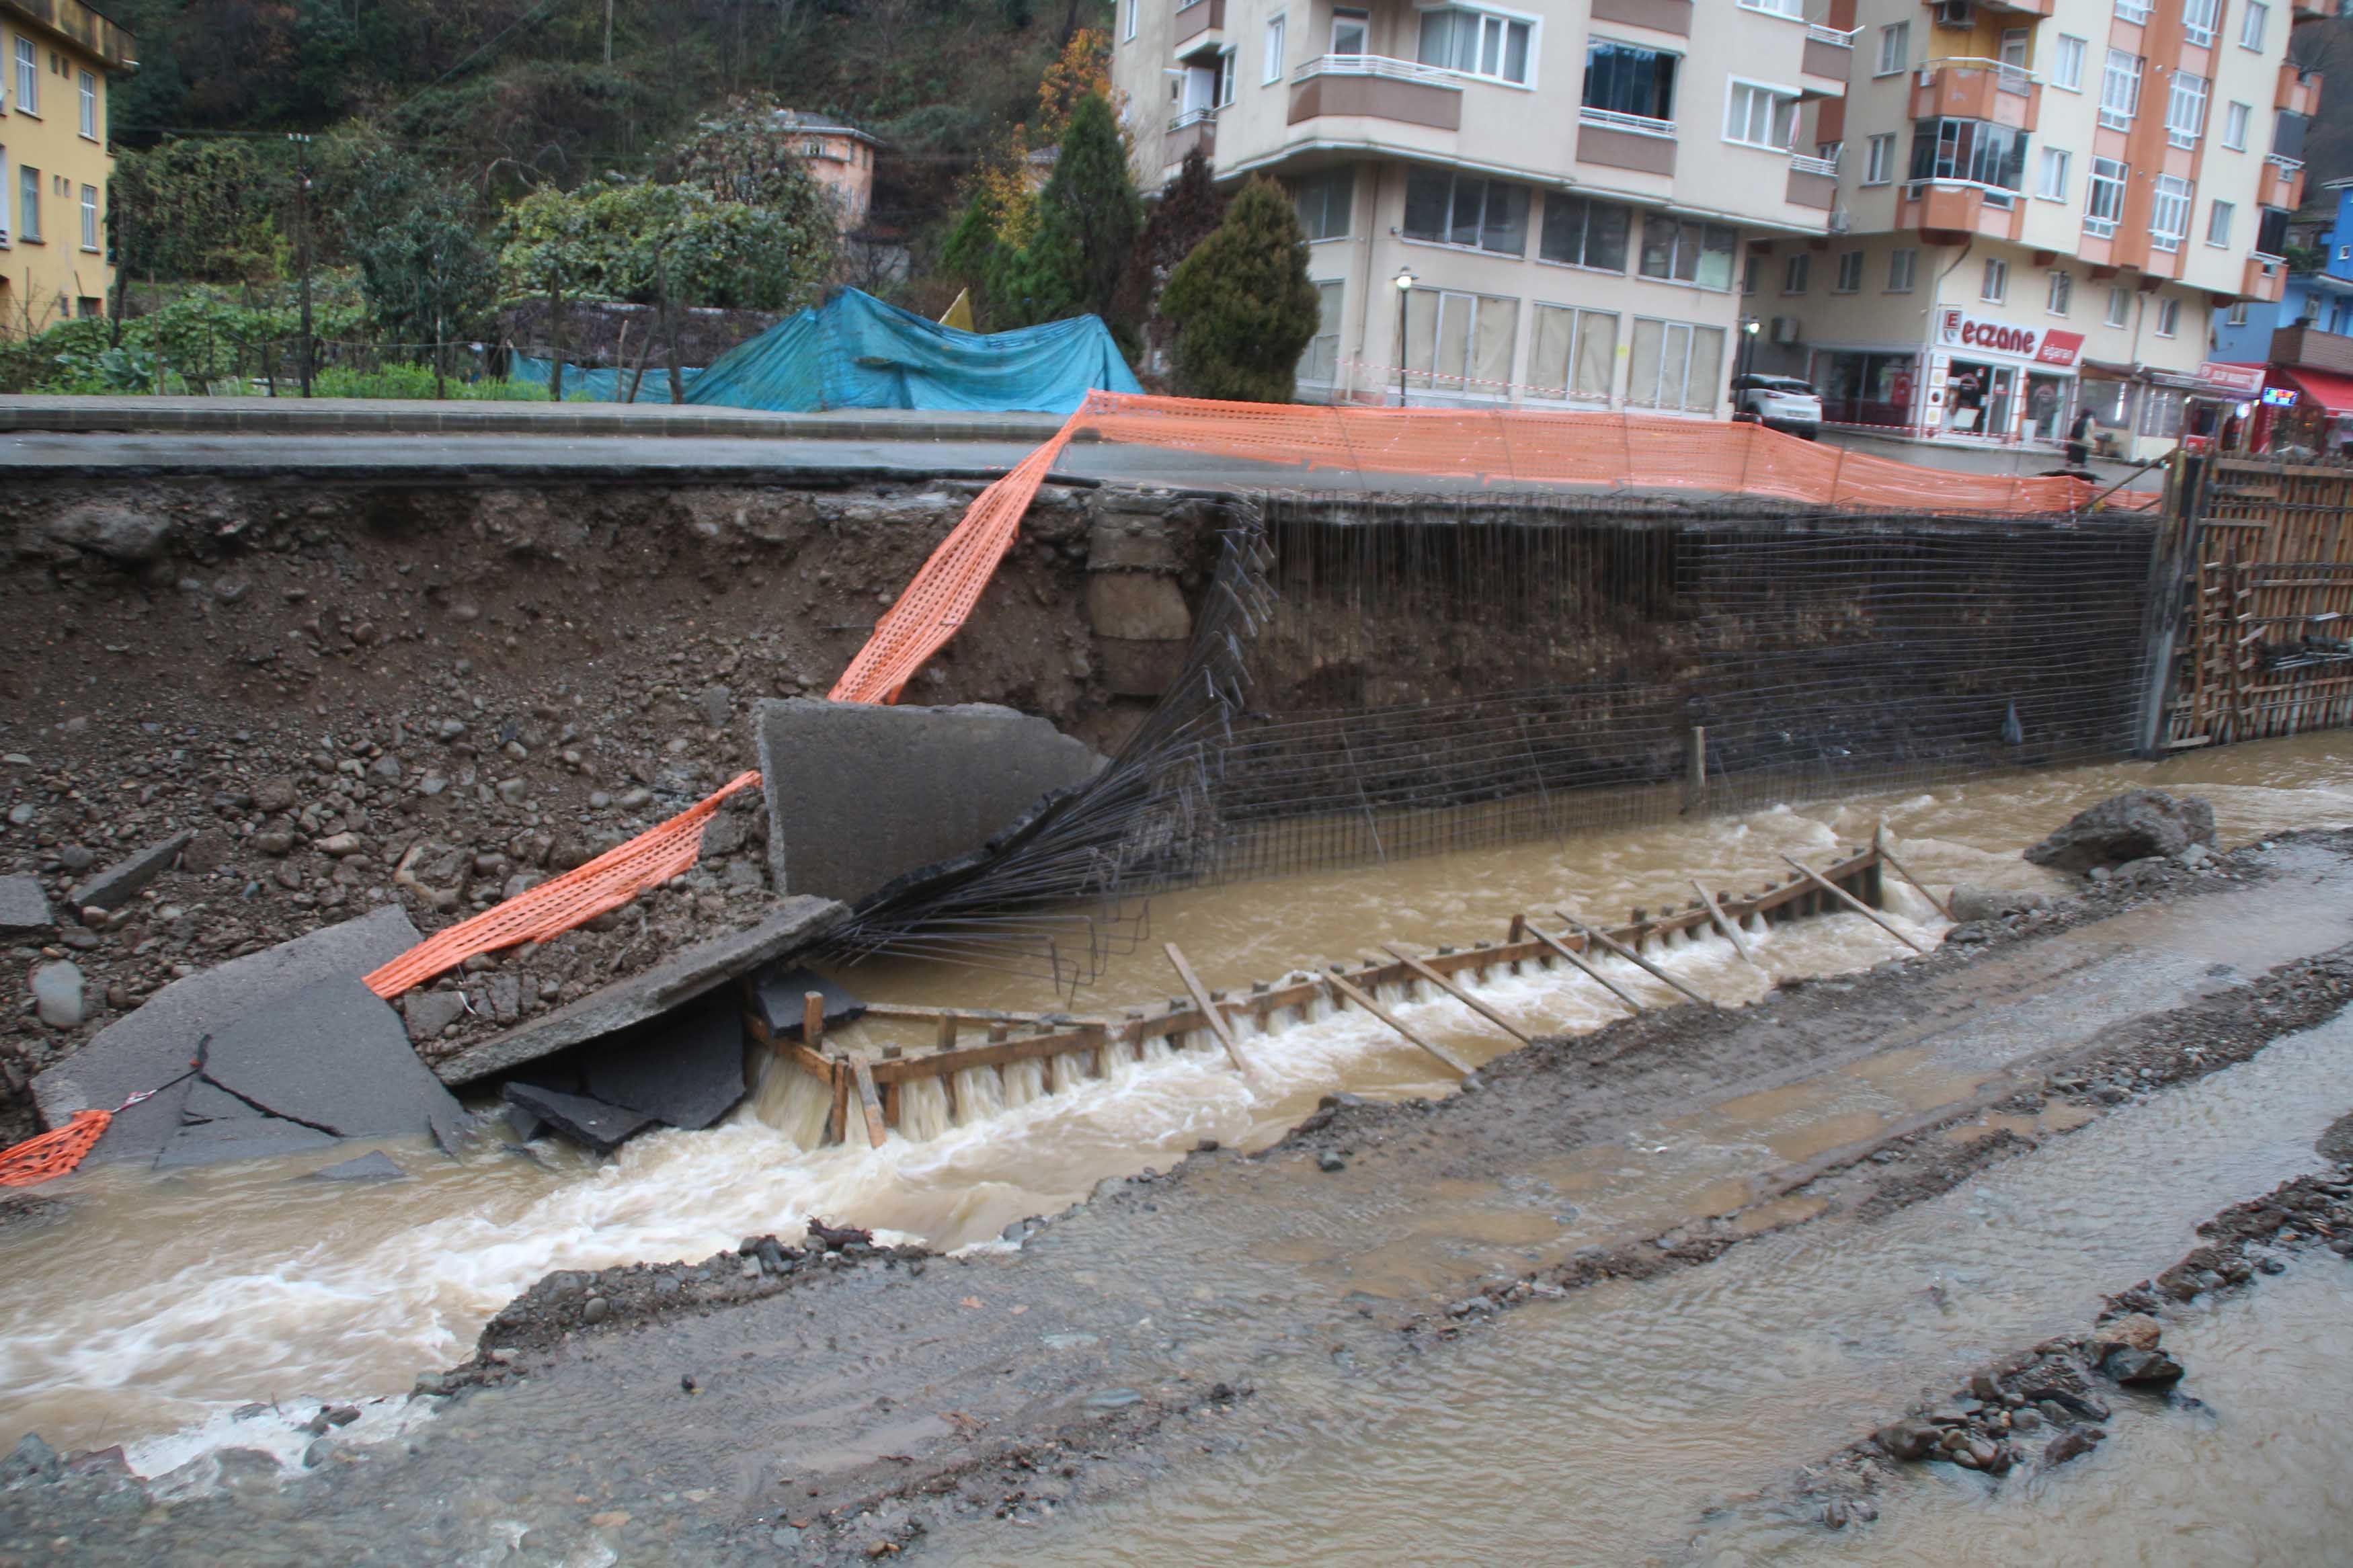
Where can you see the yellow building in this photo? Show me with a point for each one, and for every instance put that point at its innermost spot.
(55, 55)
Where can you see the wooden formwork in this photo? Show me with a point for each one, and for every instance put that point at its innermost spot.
(866, 1086)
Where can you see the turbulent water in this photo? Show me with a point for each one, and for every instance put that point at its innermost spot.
(161, 1305)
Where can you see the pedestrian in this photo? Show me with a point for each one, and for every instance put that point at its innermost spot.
(2079, 439)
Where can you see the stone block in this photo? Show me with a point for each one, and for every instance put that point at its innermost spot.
(428, 1013)
(24, 908)
(121, 882)
(1137, 607)
(591, 1123)
(1141, 668)
(860, 796)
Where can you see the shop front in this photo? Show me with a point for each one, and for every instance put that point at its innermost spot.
(1873, 389)
(2305, 413)
(2140, 412)
(1996, 380)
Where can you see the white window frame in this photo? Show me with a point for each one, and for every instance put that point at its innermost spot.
(2236, 316)
(1127, 33)
(1797, 273)
(7, 225)
(1580, 316)
(2113, 185)
(1895, 49)
(2254, 25)
(2120, 74)
(1784, 101)
(1306, 372)
(2051, 182)
(1879, 160)
(1994, 290)
(1463, 384)
(1691, 332)
(2200, 20)
(2119, 305)
(1795, 10)
(89, 85)
(2067, 64)
(1362, 21)
(2169, 212)
(1504, 21)
(2235, 120)
(1272, 71)
(28, 77)
(1909, 256)
(28, 205)
(89, 219)
(2061, 296)
(1849, 280)
(2185, 109)
(2220, 216)
(2169, 317)
(2137, 12)
(1228, 70)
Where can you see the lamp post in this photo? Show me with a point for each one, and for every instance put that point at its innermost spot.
(1748, 325)
(1405, 282)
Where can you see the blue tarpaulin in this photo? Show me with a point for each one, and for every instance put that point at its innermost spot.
(582, 385)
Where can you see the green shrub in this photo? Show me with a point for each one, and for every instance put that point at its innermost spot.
(1241, 303)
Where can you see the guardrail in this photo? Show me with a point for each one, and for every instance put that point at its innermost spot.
(1803, 165)
(1640, 124)
(1385, 66)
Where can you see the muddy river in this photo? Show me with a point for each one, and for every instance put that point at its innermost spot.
(161, 1305)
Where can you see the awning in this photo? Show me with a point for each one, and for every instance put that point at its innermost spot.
(2195, 385)
(2331, 393)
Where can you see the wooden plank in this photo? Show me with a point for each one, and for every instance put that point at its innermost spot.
(1879, 842)
(920, 1013)
(870, 1099)
(1211, 1013)
(1339, 982)
(836, 1123)
(1628, 954)
(814, 1063)
(995, 1054)
(1855, 904)
(1731, 931)
(1460, 995)
(1578, 961)
(813, 1019)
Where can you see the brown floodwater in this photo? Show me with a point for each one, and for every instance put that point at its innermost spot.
(162, 1304)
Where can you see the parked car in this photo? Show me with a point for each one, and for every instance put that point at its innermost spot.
(1779, 402)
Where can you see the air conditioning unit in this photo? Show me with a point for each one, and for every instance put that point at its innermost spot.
(1784, 329)
(1842, 220)
(1955, 13)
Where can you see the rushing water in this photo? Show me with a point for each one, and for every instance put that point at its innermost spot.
(160, 1304)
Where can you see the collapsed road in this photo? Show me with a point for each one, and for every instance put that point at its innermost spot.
(823, 1397)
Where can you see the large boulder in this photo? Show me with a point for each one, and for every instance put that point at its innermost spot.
(2133, 825)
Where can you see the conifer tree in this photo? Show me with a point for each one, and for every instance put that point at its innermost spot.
(1088, 216)
(1242, 305)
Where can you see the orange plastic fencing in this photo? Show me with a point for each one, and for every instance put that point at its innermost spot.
(52, 1154)
(607, 882)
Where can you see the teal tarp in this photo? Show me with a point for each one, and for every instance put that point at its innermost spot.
(855, 351)
(599, 385)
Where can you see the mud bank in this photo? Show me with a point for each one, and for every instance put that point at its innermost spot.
(878, 1402)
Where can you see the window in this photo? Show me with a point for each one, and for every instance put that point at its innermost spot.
(2252, 24)
(29, 77)
(1448, 208)
(1975, 150)
(2271, 232)
(1585, 233)
(1794, 276)
(1793, 9)
(1324, 202)
(2135, 11)
(1674, 365)
(2054, 185)
(90, 105)
(1574, 353)
(89, 305)
(2199, 20)
(2168, 214)
(1757, 116)
(28, 203)
(1224, 77)
(1995, 287)
(1272, 70)
(1687, 251)
(1903, 267)
(2104, 203)
(1476, 44)
(2185, 109)
(1127, 28)
(1349, 31)
(1879, 160)
(2237, 314)
(2218, 222)
(2169, 317)
(1460, 342)
(1894, 48)
(1321, 362)
(1624, 79)
(2067, 64)
(2119, 90)
(2234, 127)
(90, 217)
(1850, 272)
(2061, 295)
(2119, 305)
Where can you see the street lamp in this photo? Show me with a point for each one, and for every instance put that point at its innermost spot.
(1748, 325)
(1405, 282)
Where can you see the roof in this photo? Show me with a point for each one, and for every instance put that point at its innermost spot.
(2333, 393)
(798, 120)
(82, 25)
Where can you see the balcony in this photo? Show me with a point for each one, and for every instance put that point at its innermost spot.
(1959, 207)
(2012, 7)
(2299, 91)
(1617, 140)
(1376, 87)
(1659, 16)
(1813, 183)
(1195, 130)
(1829, 59)
(2308, 347)
(2266, 279)
(2281, 184)
(1977, 89)
(1199, 25)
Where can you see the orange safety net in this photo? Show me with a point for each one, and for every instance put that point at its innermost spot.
(52, 1154)
(607, 882)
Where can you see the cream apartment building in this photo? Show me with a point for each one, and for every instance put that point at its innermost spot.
(2040, 204)
(1547, 204)
(55, 57)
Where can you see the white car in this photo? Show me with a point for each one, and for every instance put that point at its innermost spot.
(1779, 402)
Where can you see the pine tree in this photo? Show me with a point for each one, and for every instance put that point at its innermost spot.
(1088, 216)
(1241, 302)
(1187, 212)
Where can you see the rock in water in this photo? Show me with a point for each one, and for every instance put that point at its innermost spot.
(1970, 902)
(1906, 1439)
(57, 995)
(2134, 825)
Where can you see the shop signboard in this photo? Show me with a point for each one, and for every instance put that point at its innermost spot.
(2245, 380)
(1983, 337)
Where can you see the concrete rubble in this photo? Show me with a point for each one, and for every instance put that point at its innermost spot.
(24, 908)
(121, 882)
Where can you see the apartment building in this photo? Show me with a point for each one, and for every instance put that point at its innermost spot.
(55, 55)
(1546, 203)
(2041, 204)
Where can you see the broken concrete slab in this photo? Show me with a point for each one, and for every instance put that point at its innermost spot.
(253, 1138)
(789, 925)
(591, 1123)
(332, 1055)
(158, 1043)
(24, 908)
(779, 993)
(684, 1069)
(859, 795)
(378, 1166)
(116, 885)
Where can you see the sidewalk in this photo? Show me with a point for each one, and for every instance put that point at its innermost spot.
(1960, 459)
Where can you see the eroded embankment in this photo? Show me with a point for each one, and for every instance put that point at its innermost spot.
(855, 1402)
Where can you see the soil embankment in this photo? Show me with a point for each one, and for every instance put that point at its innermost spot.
(848, 1401)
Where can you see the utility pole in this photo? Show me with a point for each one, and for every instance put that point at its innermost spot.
(608, 33)
(303, 222)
